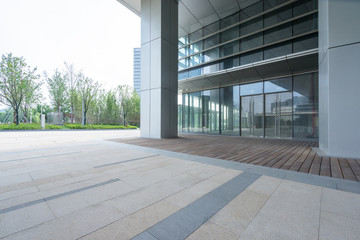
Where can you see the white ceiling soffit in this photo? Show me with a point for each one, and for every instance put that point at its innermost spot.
(195, 14)
(132, 5)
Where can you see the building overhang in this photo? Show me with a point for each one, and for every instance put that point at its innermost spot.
(276, 67)
(195, 14)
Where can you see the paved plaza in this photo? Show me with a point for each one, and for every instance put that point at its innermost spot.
(80, 185)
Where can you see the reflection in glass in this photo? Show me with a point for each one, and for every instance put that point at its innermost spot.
(211, 55)
(230, 110)
(211, 109)
(305, 24)
(251, 88)
(278, 16)
(251, 57)
(305, 43)
(278, 115)
(195, 112)
(278, 50)
(278, 85)
(251, 42)
(230, 34)
(229, 49)
(252, 116)
(278, 33)
(306, 122)
(185, 112)
(211, 41)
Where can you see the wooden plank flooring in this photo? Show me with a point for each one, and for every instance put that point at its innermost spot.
(277, 153)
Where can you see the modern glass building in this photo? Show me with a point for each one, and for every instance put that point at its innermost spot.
(283, 105)
(254, 68)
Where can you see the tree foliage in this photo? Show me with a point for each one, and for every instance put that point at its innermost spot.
(19, 83)
(88, 90)
(58, 91)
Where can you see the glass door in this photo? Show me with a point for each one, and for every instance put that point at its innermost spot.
(278, 115)
(252, 116)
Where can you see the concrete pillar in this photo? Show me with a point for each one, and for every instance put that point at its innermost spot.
(339, 77)
(159, 54)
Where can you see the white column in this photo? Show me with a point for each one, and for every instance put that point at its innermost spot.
(159, 84)
(339, 77)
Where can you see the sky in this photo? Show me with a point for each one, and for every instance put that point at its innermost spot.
(95, 36)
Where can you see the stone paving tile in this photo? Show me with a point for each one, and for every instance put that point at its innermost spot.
(14, 179)
(131, 225)
(74, 202)
(292, 212)
(211, 231)
(17, 193)
(335, 227)
(341, 203)
(265, 185)
(72, 226)
(23, 218)
(240, 212)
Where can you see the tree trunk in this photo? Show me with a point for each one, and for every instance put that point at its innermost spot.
(124, 119)
(17, 116)
(85, 118)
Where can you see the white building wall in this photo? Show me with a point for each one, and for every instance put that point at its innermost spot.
(339, 78)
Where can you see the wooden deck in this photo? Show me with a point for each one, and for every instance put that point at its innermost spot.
(283, 154)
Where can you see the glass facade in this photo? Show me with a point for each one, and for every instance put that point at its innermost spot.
(263, 30)
(284, 107)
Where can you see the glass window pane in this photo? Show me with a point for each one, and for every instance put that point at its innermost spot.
(251, 42)
(251, 11)
(194, 48)
(211, 111)
(251, 26)
(251, 88)
(230, 20)
(278, 85)
(252, 116)
(230, 34)
(278, 50)
(278, 115)
(229, 63)
(251, 57)
(305, 105)
(183, 64)
(211, 41)
(230, 110)
(305, 43)
(213, 67)
(211, 55)
(214, 27)
(195, 111)
(195, 72)
(195, 35)
(305, 24)
(273, 3)
(185, 111)
(183, 52)
(195, 60)
(305, 6)
(182, 41)
(183, 75)
(229, 49)
(278, 33)
(278, 16)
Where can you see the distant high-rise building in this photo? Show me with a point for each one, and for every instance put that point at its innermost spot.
(137, 73)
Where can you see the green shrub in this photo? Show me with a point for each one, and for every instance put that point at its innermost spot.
(21, 126)
(53, 127)
(95, 126)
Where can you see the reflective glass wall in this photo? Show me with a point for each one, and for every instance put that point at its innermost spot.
(285, 107)
(263, 30)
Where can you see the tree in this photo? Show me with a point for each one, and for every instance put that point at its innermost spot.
(17, 82)
(57, 86)
(88, 90)
(125, 101)
(71, 78)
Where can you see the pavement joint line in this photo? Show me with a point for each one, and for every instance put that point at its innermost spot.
(130, 160)
(23, 205)
(47, 149)
(322, 181)
(52, 155)
(186, 220)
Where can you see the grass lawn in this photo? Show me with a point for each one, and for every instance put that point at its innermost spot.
(32, 126)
